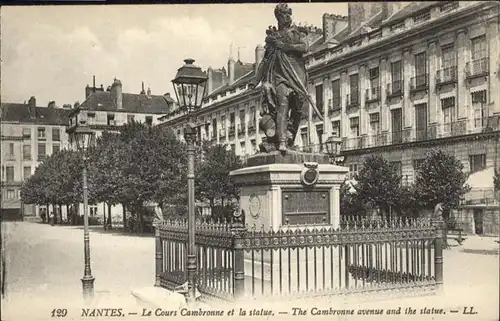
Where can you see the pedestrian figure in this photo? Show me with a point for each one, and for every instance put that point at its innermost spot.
(51, 218)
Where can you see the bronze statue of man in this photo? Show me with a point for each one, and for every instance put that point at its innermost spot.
(284, 80)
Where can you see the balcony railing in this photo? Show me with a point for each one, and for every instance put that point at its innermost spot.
(479, 196)
(446, 76)
(395, 89)
(373, 94)
(419, 82)
(477, 68)
(432, 131)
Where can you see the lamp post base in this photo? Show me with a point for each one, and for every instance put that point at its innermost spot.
(88, 287)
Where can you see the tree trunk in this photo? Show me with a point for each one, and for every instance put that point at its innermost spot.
(141, 219)
(60, 214)
(124, 213)
(104, 223)
(109, 216)
(68, 217)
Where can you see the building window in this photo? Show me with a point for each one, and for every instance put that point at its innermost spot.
(214, 127)
(448, 106)
(448, 6)
(397, 125)
(374, 123)
(417, 163)
(41, 151)
(11, 149)
(251, 121)
(26, 172)
(398, 167)
(477, 162)
(56, 134)
(92, 210)
(353, 171)
(420, 70)
(111, 119)
(242, 148)
(479, 48)
(149, 120)
(11, 193)
(480, 112)
(91, 115)
(56, 148)
(26, 152)
(41, 133)
(304, 137)
(254, 145)
(354, 125)
(9, 173)
(421, 121)
(242, 118)
(26, 133)
(336, 128)
(448, 57)
(319, 134)
(335, 94)
(396, 86)
(223, 122)
(319, 97)
(374, 84)
(354, 92)
(130, 118)
(424, 16)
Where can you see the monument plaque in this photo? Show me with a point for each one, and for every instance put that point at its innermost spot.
(306, 206)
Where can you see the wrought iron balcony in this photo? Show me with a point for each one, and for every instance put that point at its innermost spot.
(430, 132)
(419, 82)
(446, 76)
(372, 94)
(477, 68)
(395, 89)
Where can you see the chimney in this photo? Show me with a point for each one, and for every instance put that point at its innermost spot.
(259, 55)
(88, 91)
(148, 93)
(230, 70)
(51, 104)
(77, 104)
(361, 12)
(116, 93)
(209, 80)
(142, 90)
(32, 101)
(333, 24)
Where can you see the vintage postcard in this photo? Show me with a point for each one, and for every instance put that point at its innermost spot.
(262, 161)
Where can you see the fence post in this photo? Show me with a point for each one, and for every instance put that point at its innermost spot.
(238, 230)
(438, 223)
(158, 255)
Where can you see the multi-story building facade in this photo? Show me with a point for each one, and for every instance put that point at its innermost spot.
(107, 110)
(230, 113)
(29, 134)
(410, 77)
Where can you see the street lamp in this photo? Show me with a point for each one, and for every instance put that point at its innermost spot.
(333, 147)
(80, 133)
(190, 88)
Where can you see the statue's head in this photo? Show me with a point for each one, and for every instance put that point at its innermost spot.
(283, 14)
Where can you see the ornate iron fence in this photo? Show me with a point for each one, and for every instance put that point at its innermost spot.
(361, 256)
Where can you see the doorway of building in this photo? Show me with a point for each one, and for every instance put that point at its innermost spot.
(478, 221)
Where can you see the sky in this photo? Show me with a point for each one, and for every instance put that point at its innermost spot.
(52, 52)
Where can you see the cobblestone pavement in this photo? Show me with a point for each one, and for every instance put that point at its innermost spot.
(45, 264)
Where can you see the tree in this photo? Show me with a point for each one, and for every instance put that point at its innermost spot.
(349, 202)
(213, 184)
(378, 184)
(496, 180)
(440, 179)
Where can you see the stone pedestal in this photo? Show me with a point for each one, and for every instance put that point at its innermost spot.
(272, 190)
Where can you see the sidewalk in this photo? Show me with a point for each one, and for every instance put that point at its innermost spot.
(475, 244)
